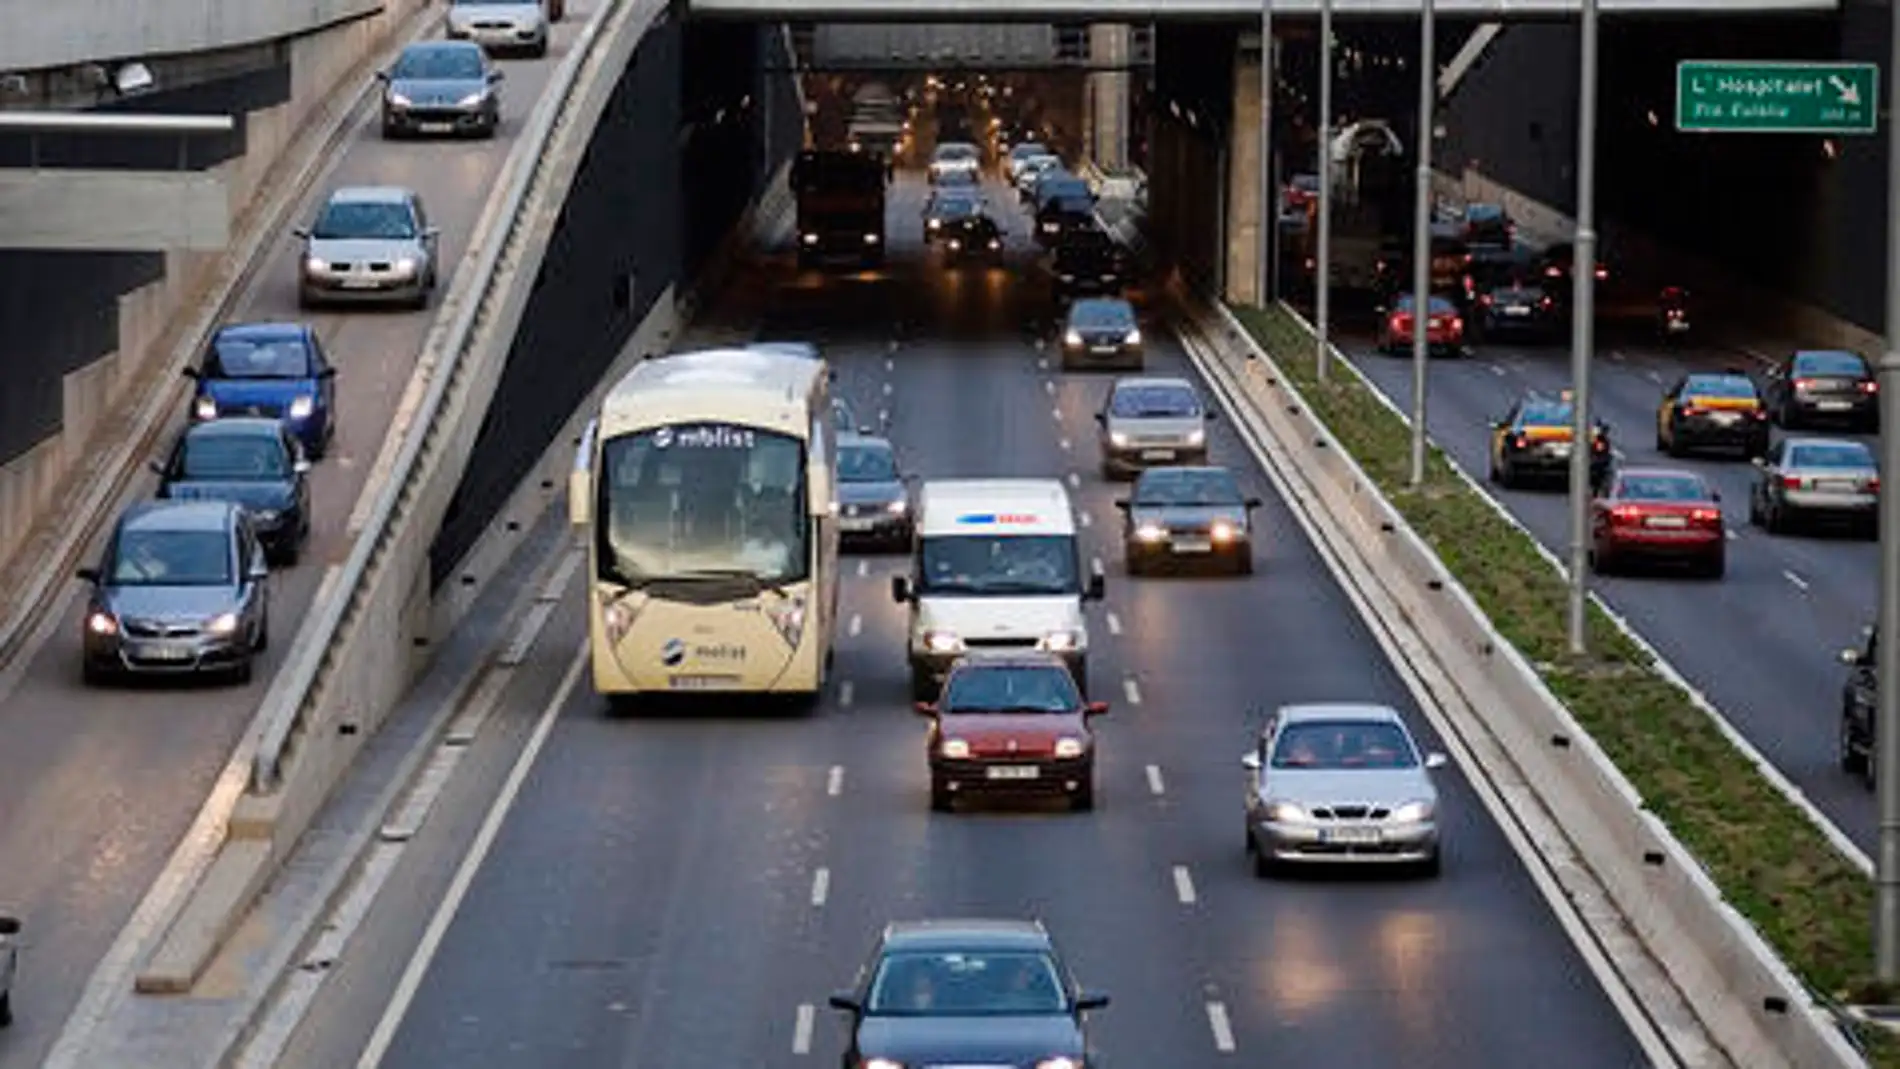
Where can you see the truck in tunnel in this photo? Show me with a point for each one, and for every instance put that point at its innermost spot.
(840, 208)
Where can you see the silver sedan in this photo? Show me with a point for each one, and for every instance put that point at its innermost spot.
(1340, 783)
(370, 243)
(1801, 479)
(500, 25)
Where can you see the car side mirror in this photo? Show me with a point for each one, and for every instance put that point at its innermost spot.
(1212, 415)
(1098, 588)
(327, 373)
(900, 589)
(846, 1001)
(1251, 761)
(90, 575)
(1090, 1000)
(158, 468)
(301, 232)
(382, 76)
(496, 76)
(302, 467)
(1122, 503)
(1102, 418)
(191, 373)
(431, 232)
(1253, 502)
(923, 708)
(1095, 709)
(1435, 760)
(1850, 658)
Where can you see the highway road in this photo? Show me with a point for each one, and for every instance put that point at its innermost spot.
(96, 785)
(676, 892)
(1762, 642)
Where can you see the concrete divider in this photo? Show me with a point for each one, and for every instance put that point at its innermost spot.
(1745, 996)
(358, 650)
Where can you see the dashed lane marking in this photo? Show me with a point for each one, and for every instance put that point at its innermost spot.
(1049, 387)
(1183, 884)
(1087, 520)
(1067, 445)
(1654, 376)
(1223, 1029)
(801, 1028)
(1114, 624)
(856, 625)
(1496, 370)
(1075, 481)
(1155, 786)
(834, 781)
(1132, 690)
(846, 691)
(1799, 583)
(820, 886)
(887, 389)
(1056, 414)
(864, 568)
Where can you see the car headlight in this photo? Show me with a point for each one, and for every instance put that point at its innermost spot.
(311, 263)
(1050, 228)
(1060, 641)
(1151, 532)
(102, 623)
(397, 100)
(205, 408)
(942, 641)
(954, 749)
(405, 265)
(1117, 439)
(870, 239)
(266, 516)
(223, 625)
(1068, 278)
(471, 100)
(1059, 1063)
(881, 1063)
(1073, 339)
(1223, 531)
(302, 407)
(1413, 812)
(898, 507)
(956, 245)
(1286, 813)
(1133, 337)
(1197, 437)
(995, 244)
(789, 617)
(936, 224)
(810, 239)
(1068, 748)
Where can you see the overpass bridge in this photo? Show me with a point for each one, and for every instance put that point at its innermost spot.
(994, 46)
(886, 11)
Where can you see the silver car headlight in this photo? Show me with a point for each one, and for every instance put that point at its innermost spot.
(1287, 813)
(405, 265)
(1151, 532)
(1069, 747)
(1061, 641)
(1059, 1063)
(311, 263)
(897, 508)
(1117, 439)
(302, 407)
(397, 100)
(942, 641)
(1196, 436)
(222, 625)
(1414, 812)
(471, 100)
(204, 408)
(955, 749)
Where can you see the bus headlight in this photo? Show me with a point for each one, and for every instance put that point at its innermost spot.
(1061, 641)
(1151, 532)
(942, 642)
(1068, 747)
(616, 619)
(954, 749)
(789, 617)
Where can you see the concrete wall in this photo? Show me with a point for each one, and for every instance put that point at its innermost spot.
(41, 35)
(79, 327)
(676, 159)
(947, 44)
(1515, 113)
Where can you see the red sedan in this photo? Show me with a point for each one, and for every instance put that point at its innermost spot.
(1658, 514)
(1444, 327)
(1011, 722)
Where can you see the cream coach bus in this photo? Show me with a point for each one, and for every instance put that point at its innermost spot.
(706, 489)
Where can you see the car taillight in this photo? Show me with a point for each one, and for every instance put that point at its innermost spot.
(1691, 410)
(1457, 325)
(1804, 384)
(1758, 413)
(1485, 300)
(1599, 443)
(1870, 386)
(1626, 514)
(1791, 482)
(1603, 273)
(1401, 324)
(1873, 484)
(1523, 441)
(1553, 272)
(1706, 515)
(1546, 302)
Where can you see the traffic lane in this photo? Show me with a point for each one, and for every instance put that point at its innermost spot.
(1352, 970)
(98, 784)
(1760, 647)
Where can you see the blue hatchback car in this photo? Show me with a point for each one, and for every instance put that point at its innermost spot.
(276, 370)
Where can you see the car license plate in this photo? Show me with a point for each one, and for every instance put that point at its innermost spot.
(1834, 406)
(1193, 545)
(1726, 419)
(359, 283)
(166, 651)
(1104, 349)
(436, 127)
(857, 523)
(1667, 521)
(701, 682)
(1517, 310)
(1560, 449)
(1839, 486)
(1350, 836)
(1157, 454)
(1013, 772)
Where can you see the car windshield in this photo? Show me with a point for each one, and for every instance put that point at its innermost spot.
(1186, 486)
(1661, 488)
(983, 983)
(866, 463)
(1306, 183)
(1830, 364)
(1343, 744)
(1154, 402)
(992, 689)
(372, 219)
(233, 458)
(458, 64)
(955, 207)
(705, 501)
(1099, 314)
(1003, 565)
(258, 358)
(1484, 213)
(1546, 414)
(1735, 386)
(170, 558)
(1028, 149)
(1830, 455)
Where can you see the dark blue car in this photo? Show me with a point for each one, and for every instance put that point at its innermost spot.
(256, 463)
(275, 370)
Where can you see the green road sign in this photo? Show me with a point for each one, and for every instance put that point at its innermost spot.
(1715, 96)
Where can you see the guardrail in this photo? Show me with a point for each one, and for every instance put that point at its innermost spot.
(1745, 996)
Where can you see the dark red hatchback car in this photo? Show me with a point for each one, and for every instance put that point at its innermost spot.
(1011, 722)
(1658, 514)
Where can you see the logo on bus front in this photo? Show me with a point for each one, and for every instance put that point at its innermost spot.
(704, 436)
(674, 651)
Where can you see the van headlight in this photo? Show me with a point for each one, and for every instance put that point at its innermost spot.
(1223, 531)
(870, 239)
(942, 641)
(205, 408)
(302, 407)
(1151, 532)
(1197, 436)
(1414, 812)
(1061, 641)
(1068, 747)
(954, 749)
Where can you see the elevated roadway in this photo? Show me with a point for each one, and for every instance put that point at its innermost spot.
(685, 891)
(97, 785)
(1226, 10)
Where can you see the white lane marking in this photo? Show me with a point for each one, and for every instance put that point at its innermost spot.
(1087, 520)
(820, 886)
(857, 624)
(1056, 414)
(1049, 387)
(1183, 883)
(1654, 376)
(864, 567)
(1223, 1030)
(846, 691)
(887, 389)
(1496, 370)
(1067, 445)
(1132, 690)
(801, 1028)
(890, 347)
(1075, 481)
(1155, 786)
(438, 929)
(1617, 355)
(883, 417)
(834, 781)
(1042, 362)
(1731, 533)
(1095, 566)
(1114, 624)
(889, 364)
(1800, 583)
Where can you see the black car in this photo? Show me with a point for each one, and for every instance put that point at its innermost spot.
(441, 87)
(1712, 410)
(973, 237)
(966, 993)
(1088, 262)
(1824, 386)
(947, 206)
(1487, 225)
(1062, 217)
(1860, 697)
(1555, 265)
(1188, 514)
(873, 495)
(1533, 441)
(255, 463)
(1101, 332)
(1515, 307)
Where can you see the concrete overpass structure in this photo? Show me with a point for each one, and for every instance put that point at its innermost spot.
(1222, 10)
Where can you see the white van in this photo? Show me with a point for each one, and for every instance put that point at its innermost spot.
(996, 566)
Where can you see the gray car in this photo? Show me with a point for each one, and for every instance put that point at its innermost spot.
(183, 588)
(1101, 332)
(873, 495)
(441, 87)
(1187, 514)
(1340, 783)
(1151, 422)
(500, 25)
(1800, 479)
(9, 966)
(372, 244)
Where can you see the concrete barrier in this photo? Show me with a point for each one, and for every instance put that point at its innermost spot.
(80, 31)
(1746, 998)
(356, 653)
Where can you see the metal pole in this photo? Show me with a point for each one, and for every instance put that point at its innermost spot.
(1887, 654)
(1323, 261)
(1422, 236)
(1583, 286)
(1269, 211)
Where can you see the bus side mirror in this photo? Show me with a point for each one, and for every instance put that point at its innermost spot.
(1850, 658)
(900, 589)
(580, 499)
(1250, 760)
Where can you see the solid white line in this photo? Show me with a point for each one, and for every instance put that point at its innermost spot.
(1223, 1031)
(834, 781)
(864, 567)
(801, 1029)
(1114, 624)
(1800, 583)
(857, 624)
(524, 636)
(846, 691)
(1155, 786)
(1132, 690)
(438, 929)
(1183, 885)
(820, 886)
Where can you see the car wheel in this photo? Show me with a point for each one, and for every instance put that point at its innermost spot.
(390, 131)
(263, 636)
(1243, 562)
(541, 49)
(1601, 563)
(1852, 762)
(1263, 863)
(1716, 566)
(1754, 510)
(1662, 444)
(1137, 564)
(942, 800)
(1776, 520)
(92, 675)
(241, 675)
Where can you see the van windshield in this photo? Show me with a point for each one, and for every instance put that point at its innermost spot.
(998, 565)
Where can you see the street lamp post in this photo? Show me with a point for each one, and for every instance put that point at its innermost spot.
(1323, 261)
(1269, 214)
(1886, 653)
(1422, 237)
(1583, 282)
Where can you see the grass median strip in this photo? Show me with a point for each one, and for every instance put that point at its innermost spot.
(1810, 903)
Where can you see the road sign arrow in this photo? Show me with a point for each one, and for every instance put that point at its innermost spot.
(1850, 94)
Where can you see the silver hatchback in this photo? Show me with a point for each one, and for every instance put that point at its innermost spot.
(369, 243)
(1150, 421)
(1830, 479)
(500, 25)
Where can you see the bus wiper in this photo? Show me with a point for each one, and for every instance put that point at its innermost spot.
(758, 581)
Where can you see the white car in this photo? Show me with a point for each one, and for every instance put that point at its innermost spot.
(500, 25)
(1021, 154)
(9, 963)
(1032, 169)
(955, 157)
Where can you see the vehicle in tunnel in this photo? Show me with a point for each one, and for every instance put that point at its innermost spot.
(278, 370)
(1151, 422)
(1658, 515)
(1019, 157)
(1556, 263)
(1031, 172)
(1187, 514)
(369, 244)
(1086, 263)
(441, 87)
(1010, 722)
(1101, 332)
(1444, 327)
(1516, 306)
(947, 205)
(1817, 387)
(840, 208)
(253, 463)
(973, 238)
(1673, 322)
(1488, 226)
(1712, 410)
(874, 505)
(703, 489)
(1451, 267)
(1533, 441)
(1816, 481)
(955, 157)
(501, 26)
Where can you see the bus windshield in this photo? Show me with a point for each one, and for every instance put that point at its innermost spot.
(703, 501)
(1002, 565)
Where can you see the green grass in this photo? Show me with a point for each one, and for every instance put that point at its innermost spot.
(1773, 865)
